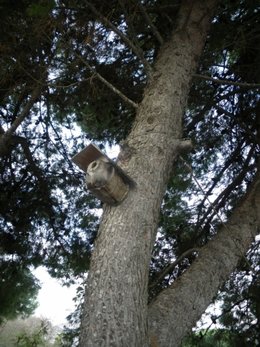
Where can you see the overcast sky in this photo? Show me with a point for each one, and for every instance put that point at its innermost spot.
(55, 301)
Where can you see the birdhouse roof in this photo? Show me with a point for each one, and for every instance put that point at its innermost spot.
(91, 153)
(87, 155)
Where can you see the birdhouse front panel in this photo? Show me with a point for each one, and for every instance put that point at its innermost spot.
(104, 178)
(105, 183)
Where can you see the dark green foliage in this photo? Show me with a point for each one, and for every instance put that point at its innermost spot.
(30, 332)
(70, 334)
(241, 302)
(18, 290)
(43, 207)
(212, 338)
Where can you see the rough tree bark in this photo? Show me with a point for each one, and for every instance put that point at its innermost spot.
(115, 309)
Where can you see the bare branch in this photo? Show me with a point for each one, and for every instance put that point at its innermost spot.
(35, 169)
(171, 266)
(6, 144)
(25, 112)
(233, 83)
(63, 86)
(108, 84)
(116, 91)
(137, 50)
(150, 22)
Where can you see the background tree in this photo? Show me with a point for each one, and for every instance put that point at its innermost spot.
(218, 337)
(92, 64)
(30, 332)
(18, 291)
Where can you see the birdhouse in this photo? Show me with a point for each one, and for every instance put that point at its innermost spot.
(104, 178)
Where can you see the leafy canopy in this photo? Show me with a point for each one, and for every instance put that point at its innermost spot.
(74, 71)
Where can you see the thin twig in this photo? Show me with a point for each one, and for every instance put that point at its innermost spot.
(233, 83)
(225, 311)
(108, 84)
(202, 189)
(63, 86)
(137, 50)
(150, 22)
(213, 207)
(132, 35)
(225, 166)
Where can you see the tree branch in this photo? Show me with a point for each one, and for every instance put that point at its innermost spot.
(35, 169)
(177, 308)
(108, 84)
(233, 83)
(217, 178)
(171, 267)
(137, 50)
(215, 206)
(225, 311)
(25, 112)
(7, 140)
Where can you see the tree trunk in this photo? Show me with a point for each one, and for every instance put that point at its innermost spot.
(176, 310)
(115, 309)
